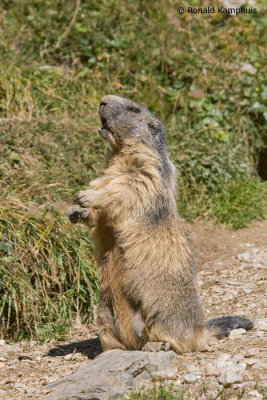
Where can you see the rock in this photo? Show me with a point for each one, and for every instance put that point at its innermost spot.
(69, 357)
(241, 366)
(224, 364)
(224, 357)
(164, 375)
(194, 369)
(111, 374)
(227, 297)
(256, 257)
(2, 342)
(255, 395)
(24, 356)
(230, 366)
(261, 364)
(211, 370)
(229, 376)
(237, 358)
(10, 350)
(251, 352)
(19, 385)
(262, 325)
(246, 67)
(191, 378)
(236, 333)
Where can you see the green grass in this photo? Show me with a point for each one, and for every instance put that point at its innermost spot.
(53, 71)
(164, 392)
(170, 392)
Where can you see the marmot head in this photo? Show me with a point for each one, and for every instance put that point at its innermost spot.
(124, 122)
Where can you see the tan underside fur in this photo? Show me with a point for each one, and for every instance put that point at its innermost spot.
(148, 288)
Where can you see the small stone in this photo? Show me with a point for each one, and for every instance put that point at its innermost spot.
(260, 333)
(10, 350)
(241, 366)
(262, 325)
(211, 370)
(224, 364)
(164, 375)
(255, 257)
(247, 67)
(237, 358)
(19, 385)
(68, 357)
(191, 378)
(261, 364)
(194, 369)
(229, 376)
(228, 296)
(224, 357)
(2, 342)
(255, 395)
(2, 359)
(24, 356)
(251, 352)
(236, 333)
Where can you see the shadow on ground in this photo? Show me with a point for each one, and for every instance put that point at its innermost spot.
(89, 348)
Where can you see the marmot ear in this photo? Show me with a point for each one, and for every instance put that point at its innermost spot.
(154, 127)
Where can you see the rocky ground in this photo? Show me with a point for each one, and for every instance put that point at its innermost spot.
(232, 280)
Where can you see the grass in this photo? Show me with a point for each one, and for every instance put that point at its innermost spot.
(56, 64)
(183, 392)
(163, 392)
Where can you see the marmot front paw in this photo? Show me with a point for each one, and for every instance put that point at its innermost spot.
(86, 198)
(78, 214)
(156, 346)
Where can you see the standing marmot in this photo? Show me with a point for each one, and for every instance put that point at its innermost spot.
(148, 289)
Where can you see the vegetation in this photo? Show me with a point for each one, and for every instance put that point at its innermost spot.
(170, 392)
(164, 392)
(203, 75)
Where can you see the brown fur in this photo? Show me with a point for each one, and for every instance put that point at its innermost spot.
(148, 289)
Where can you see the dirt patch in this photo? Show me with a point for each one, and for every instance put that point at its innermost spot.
(232, 281)
(217, 243)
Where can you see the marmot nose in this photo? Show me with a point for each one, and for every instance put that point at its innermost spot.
(111, 100)
(102, 104)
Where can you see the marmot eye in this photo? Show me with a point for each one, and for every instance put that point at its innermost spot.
(133, 109)
(153, 128)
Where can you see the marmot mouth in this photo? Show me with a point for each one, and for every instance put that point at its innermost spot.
(103, 132)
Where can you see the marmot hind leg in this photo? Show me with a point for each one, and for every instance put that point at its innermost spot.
(108, 339)
(108, 334)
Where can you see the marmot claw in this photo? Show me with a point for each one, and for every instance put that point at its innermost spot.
(78, 214)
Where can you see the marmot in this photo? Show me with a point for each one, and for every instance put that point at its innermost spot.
(148, 291)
